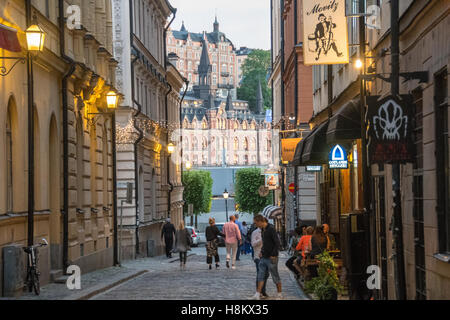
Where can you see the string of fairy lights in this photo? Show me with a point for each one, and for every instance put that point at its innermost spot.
(128, 134)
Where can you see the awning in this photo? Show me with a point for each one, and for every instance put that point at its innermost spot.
(8, 39)
(297, 161)
(345, 124)
(315, 149)
(272, 212)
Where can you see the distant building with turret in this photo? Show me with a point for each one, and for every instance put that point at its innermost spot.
(220, 131)
(226, 60)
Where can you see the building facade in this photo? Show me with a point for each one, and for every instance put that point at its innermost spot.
(225, 60)
(72, 138)
(223, 132)
(143, 116)
(424, 46)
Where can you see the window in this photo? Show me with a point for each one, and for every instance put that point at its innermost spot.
(442, 160)
(246, 144)
(9, 164)
(214, 67)
(224, 68)
(236, 144)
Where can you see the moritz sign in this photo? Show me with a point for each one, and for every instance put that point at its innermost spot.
(325, 32)
(390, 131)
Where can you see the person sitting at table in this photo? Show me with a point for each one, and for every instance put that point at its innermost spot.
(331, 241)
(303, 244)
(319, 242)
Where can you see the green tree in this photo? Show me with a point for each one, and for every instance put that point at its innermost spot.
(254, 69)
(248, 181)
(197, 191)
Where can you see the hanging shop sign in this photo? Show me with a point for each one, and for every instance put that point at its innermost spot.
(272, 181)
(338, 158)
(288, 149)
(391, 129)
(291, 188)
(325, 31)
(313, 168)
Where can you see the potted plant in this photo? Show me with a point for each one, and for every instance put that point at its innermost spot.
(326, 286)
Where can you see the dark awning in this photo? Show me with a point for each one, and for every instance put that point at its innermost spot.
(297, 161)
(345, 124)
(315, 149)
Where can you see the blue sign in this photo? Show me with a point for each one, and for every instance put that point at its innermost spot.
(338, 158)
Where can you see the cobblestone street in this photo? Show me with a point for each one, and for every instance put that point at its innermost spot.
(165, 281)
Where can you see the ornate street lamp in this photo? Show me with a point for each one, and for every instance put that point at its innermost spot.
(111, 100)
(35, 38)
(225, 196)
(171, 148)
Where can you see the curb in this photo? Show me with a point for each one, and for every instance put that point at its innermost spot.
(96, 290)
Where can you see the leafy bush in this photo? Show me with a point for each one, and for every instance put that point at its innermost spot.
(326, 286)
(247, 197)
(197, 191)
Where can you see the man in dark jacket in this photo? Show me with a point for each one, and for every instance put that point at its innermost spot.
(168, 233)
(269, 256)
(324, 36)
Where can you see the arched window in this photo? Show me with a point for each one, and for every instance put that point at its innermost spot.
(9, 157)
(236, 144)
(204, 125)
(244, 125)
(204, 144)
(93, 162)
(80, 163)
(186, 143)
(195, 144)
(245, 144)
(253, 144)
(105, 164)
(236, 125)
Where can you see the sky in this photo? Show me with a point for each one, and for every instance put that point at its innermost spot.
(245, 22)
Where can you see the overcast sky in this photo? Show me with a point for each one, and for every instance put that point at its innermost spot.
(245, 22)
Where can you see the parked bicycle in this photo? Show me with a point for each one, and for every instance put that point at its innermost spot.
(32, 281)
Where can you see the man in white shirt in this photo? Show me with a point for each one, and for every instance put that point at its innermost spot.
(257, 244)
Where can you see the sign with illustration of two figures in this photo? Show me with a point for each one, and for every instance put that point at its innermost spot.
(325, 32)
(391, 125)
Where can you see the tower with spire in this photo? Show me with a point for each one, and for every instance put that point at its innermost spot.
(259, 99)
(216, 25)
(203, 89)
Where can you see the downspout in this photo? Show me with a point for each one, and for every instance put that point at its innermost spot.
(141, 134)
(72, 64)
(186, 81)
(169, 194)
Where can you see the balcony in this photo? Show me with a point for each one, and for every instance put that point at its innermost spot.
(225, 74)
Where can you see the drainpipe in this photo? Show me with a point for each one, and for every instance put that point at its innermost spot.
(30, 134)
(72, 64)
(174, 11)
(169, 194)
(141, 134)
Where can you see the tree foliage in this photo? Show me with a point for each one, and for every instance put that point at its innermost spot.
(197, 191)
(248, 181)
(255, 68)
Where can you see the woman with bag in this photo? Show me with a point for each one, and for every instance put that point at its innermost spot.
(212, 233)
(232, 241)
(183, 242)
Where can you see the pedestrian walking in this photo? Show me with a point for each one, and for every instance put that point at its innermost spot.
(212, 233)
(183, 242)
(257, 243)
(246, 245)
(232, 241)
(241, 230)
(269, 257)
(168, 233)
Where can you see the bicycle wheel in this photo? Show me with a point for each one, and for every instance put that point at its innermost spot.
(36, 284)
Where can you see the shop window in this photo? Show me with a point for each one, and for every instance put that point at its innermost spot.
(442, 161)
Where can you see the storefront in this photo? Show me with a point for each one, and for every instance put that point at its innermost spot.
(335, 146)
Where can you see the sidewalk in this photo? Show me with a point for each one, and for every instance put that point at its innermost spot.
(100, 281)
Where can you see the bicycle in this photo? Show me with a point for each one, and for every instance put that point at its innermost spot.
(32, 281)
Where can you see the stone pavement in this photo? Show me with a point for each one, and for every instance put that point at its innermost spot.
(166, 281)
(160, 278)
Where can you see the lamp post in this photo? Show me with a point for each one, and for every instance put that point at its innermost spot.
(225, 196)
